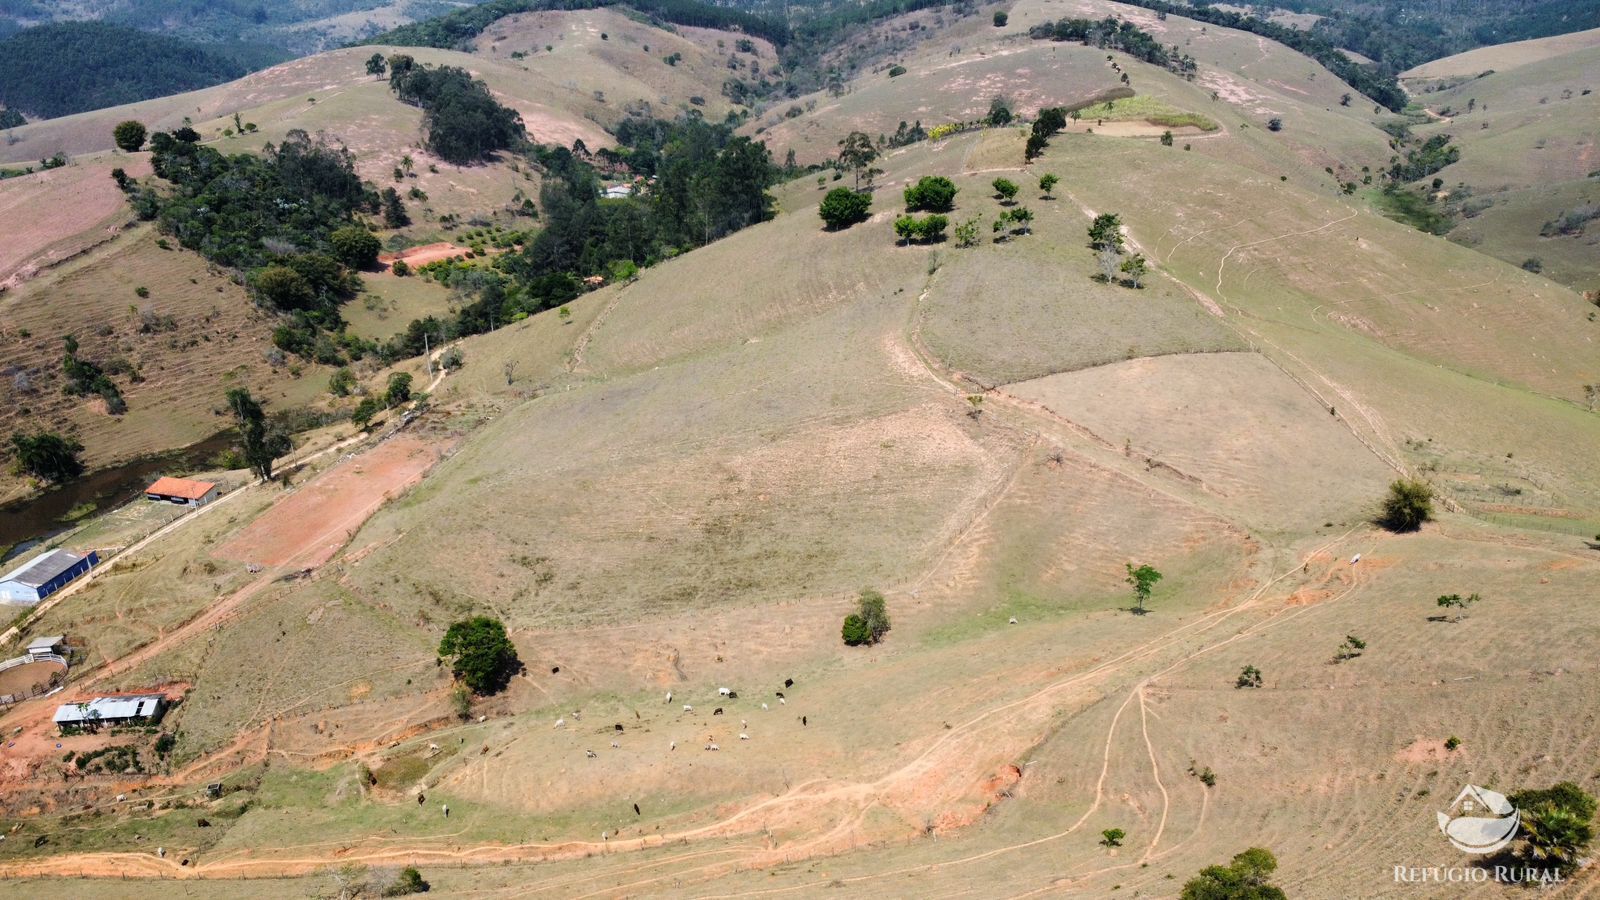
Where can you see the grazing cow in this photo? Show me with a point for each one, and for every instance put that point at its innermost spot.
(447, 810)
(615, 745)
(688, 708)
(605, 835)
(743, 736)
(421, 799)
(779, 693)
(717, 711)
(674, 746)
(1355, 559)
(669, 696)
(636, 809)
(591, 754)
(743, 723)
(788, 682)
(561, 723)
(1013, 620)
(763, 706)
(783, 701)
(712, 747)
(555, 670)
(724, 691)
(619, 726)
(733, 695)
(802, 721)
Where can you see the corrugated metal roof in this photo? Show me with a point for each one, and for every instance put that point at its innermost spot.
(46, 643)
(38, 571)
(109, 708)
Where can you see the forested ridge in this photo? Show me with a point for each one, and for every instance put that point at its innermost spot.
(68, 67)
(455, 30)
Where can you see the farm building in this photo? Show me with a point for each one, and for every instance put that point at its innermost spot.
(43, 575)
(182, 492)
(46, 647)
(140, 709)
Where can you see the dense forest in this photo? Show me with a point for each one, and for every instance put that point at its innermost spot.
(456, 29)
(1399, 35)
(57, 70)
(1372, 81)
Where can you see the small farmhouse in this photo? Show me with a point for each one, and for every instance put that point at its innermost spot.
(133, 710)
(182, 492)
(43, 575)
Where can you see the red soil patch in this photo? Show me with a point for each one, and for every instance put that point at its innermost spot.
(421, 256)
(1422, 750)
(994, 789)
(310, 526)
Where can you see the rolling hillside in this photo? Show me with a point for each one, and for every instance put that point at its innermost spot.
(673, 490)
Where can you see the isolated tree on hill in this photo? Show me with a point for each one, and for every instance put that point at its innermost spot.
(931, 193)
(1456, 601)
(1047, 183)
(1247, 877)
(377, 65)
(1143, 579)
(843, 207)
(47, 456)
(129, 136)
(1005, 190)
(1110, 260)
(480, 654)
(856, 155)
(1274, 124)
(1408, 505)
(355, 246)
(263, 442)
(870, 622)
(364, 411)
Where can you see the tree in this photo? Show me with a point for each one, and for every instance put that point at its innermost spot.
(399, 389)
(843, 207)
(1005, 190)
(409, 881)
(1409, 504)
(1112, 837)
(1274, 124)
(870, 622)
(1143, 579)
(1110, 259)
(480, 654)
(1166, 139)
(1247, 877)
(1106, 231)
(1000, 19)
(1047, 183)
(1249, 677)
(856, 154)
(377, 65)
(999, 110)
(263, 442)
(924, 230)
(931, 193)
(1135, 268)
(1557, 823)
(129, 136)
(47, 456)
(400, 268)
(356, 247)
(394, 211)
(1456, 601)
(364, 411)
(967, 232)
(342, 382)
(282, 288)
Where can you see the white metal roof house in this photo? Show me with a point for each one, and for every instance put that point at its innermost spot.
(43, 575)
(110, 711)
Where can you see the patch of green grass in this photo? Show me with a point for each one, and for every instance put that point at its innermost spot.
(1148, 109)
(1411, 208)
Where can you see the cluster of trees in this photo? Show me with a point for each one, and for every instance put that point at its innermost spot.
(926, 230)
(1421, 161)
(456, 29)
(1372, 81)
(10, 118)
(68, 67)
(1049, 121)
(1248, 876)
(869, 623)
(275, 217)
(463, 121)
(47, 456)
(1105, 238)
(1111, 33)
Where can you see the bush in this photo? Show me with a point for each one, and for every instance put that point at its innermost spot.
(843, 207)
(896, 71)
(1409, 504)
(452, 359)
(854, 631)
(1244, 878)
(931, 193)
(399, 389)
(1004, 189)
(925, 230)
(1000, 19)
(342, 382)
(1557, 824)
(401, 268)
(129, 136)
(409, 881)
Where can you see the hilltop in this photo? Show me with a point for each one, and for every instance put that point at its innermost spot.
(673, 487)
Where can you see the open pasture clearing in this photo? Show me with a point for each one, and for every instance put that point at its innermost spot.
(58, 213)
(1503, 57)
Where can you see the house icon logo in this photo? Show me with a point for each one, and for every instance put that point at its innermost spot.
(1480, 820)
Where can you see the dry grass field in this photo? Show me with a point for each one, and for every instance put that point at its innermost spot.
(682, 486)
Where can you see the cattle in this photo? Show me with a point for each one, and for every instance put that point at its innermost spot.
(779, 693)
(788, 682)
(636, 809)
(619, 726)
(561, 723)
(669, 696)
(802, 721)
(743, 736)
(717, 711)
(724, 691)
(674, 746)
(591, 754)
(733, 695)
(763, 706)
(688, 708)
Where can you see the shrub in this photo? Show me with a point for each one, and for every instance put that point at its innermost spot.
(854, 631)
(1004, 189)
(1112, 837)
(129, 136)
(925, 230)
(355, 246)
(409, 881)
(48, 456)
(931, 193)
(1408, 505)
(1244, 878)
(843, 207)
(1000, 19)
(896, 71)
(400, 268)
(1557, 823)
(452, 359)
(342, 382)
(1249, 677)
